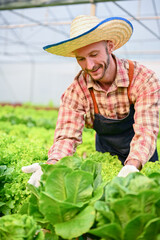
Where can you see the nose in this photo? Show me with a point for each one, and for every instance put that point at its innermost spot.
(89, 64)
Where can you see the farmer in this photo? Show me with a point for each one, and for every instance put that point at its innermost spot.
(118, 98)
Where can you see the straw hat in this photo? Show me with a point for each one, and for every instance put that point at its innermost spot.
(89, 29)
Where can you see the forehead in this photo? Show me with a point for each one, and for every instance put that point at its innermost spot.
(90, 48)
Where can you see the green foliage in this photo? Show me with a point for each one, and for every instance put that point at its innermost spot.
(19, 227)
(29, 116)
(66, 196)
(88, 145)
(131, 209)
(26, 136)
(73, 200)
(23, 143)
(5, 176)
(110, 164)
(151, 167)
(20, 146)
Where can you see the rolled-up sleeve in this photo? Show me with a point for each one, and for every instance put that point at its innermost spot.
(70, 124)
(146, 94)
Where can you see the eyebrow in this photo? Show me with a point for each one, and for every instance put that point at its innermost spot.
(79, 56)
(88, 53)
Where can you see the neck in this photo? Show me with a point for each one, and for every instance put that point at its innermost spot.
(110, 76)
(105, 86)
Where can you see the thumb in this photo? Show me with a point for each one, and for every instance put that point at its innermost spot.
(31, 168)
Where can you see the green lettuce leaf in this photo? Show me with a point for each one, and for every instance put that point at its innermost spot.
(79, 187)
(132, 205)
(55, 183)
(78, 225)
(141, 183)
(103, 213)
(19, 227)
(111, 231)
(152, 230)
(73, 162)
(135, 227)
(156, 177)
(56, 211)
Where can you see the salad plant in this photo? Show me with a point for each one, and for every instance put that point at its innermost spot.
(74, 200)
(26, 136)
(64, 203)
(28, 116)
(130, 210)
(19, 227)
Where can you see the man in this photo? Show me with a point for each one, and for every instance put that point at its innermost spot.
(116, 97)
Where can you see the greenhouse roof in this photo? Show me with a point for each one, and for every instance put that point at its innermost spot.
(15, 4)
(27, 26)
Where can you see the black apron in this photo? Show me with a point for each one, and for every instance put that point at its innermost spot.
(115, 135)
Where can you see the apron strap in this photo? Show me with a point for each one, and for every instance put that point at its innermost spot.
(130, 75)
(94, 101)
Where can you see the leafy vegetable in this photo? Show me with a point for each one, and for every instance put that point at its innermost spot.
(19, 227)
(128, 203)
(66, 196)
(131, 208)
(78, 225)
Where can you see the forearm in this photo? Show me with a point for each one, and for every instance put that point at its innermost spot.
(68, 133)
(134, 162)
(62, 148)
(146, 128)
(142, 147)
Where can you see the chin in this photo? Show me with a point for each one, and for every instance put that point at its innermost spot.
(98, 78)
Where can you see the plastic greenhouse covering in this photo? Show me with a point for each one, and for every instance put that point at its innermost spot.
(29, 74)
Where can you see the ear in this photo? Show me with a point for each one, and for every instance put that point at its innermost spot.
(110, 46)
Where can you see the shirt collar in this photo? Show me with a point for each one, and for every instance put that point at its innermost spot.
(122, 79)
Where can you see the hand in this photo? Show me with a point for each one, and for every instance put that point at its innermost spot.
(35, 168)
(126, 170)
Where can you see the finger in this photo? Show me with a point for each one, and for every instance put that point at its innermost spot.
(35, 178)
(31, 168)
(34, 181)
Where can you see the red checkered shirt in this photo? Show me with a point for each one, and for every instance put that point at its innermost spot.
(77, 110)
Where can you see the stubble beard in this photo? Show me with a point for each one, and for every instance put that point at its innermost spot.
(105, 67)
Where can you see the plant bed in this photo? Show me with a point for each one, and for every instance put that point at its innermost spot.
(26, 136)
(74, 201)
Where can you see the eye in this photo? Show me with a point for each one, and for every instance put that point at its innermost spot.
(93, 55)
(80, 59)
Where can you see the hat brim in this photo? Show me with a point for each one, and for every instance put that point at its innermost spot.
(116, 29)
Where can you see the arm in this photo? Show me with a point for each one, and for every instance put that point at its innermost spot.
(68, 134)
(70, 124)
(146, 94)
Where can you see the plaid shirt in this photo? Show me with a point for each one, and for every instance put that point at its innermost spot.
(77, 110)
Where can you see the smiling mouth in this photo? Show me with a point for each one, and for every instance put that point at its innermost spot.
(94, 70)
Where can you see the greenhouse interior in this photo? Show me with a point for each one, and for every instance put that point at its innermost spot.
(82, 196)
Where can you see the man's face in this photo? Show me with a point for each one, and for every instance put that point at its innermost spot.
(94, 59)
